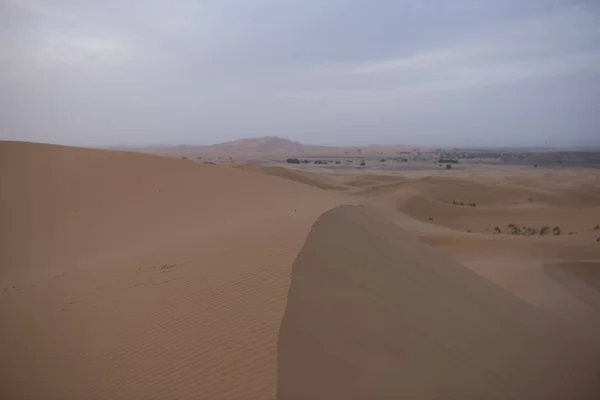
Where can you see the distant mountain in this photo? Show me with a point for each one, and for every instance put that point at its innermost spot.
(264, 145)
(269, 147)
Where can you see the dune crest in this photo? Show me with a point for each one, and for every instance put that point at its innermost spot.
(374, 313)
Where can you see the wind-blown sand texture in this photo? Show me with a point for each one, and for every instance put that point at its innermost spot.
(135, 276)
(126, 275)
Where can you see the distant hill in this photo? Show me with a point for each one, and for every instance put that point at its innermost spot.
(265, 145)
(269, 147)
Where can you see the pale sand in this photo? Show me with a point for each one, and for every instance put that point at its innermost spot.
(319, 181)
(134, 276)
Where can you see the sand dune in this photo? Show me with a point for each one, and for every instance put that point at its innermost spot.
(372, 313)
(423, 204)
(449, 190)
(135, 276)
(308, 178)
(125, 275)
(486, 219)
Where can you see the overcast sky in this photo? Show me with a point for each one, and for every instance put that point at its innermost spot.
(354, 72)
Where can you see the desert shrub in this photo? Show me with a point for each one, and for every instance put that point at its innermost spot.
(338, 162)
(430, 218)
(528, 231)
(448, 166)
(598, 240)
(597, 227)
(473, 204)
(530, 200)
(556, 230)
(497, 230)
(544, 230)
(362, 164)
(382, 160)
(515, 230)
(292, 161)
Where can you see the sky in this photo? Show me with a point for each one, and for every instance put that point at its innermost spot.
(341, 72)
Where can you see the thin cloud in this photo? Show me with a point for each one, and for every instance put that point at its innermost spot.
(347, 70)
(60, 50)
(531, 49)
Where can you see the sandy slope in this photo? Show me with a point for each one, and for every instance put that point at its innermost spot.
(134, 276)
(320, 181)
(422, 203)
(564, 198)
(484, 219)
(373, 313)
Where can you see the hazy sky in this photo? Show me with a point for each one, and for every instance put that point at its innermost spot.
(355, 72)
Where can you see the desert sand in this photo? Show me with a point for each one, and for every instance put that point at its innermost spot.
(374, 313)
(127, 275)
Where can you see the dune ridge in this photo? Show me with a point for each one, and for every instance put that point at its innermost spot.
(373, 313)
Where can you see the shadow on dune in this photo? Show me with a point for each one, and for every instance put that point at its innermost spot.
(373, 313)
(588, 272)
(581, 278)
